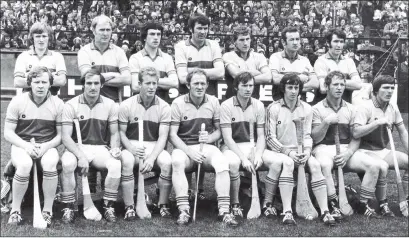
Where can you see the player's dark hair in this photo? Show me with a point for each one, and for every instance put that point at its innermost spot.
(151, 71)
(338, 32)
(36, 72)
(149, 26)
(197, 18)
(381, 79)
(196, 71)
(287, 30)
(242, 77)
(290, 78)
(91, 72)
(332, 75)
(240, 30)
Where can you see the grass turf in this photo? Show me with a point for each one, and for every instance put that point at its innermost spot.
(206, 223)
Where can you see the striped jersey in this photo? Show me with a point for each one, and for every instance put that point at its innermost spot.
(188, 55)
(38, 121)
(190, 117)
(94, 119)
(132, 111)
(370, 111)
(162, 62)
(113, 59)
(234, 116)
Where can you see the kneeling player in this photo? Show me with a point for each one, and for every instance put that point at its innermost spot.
(373, 117)
(34, 114)
(189, 111)
(326, 114)
(98, 119)
(282, 139)
(155, 114)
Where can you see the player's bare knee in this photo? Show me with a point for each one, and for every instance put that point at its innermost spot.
(50, 160)
(68, 162)
(165, 163)
(384, 167)
(288, 164)
(234, 164)
(128, 161)
(23, 168)
(114, 168)
(178, 159)
(314, 167)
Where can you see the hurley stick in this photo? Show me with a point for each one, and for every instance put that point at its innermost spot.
(255, 210)
(141, 207)
(202, 128)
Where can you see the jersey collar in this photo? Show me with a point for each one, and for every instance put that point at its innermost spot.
(83, 100)
(30, 95)
(145, 53)
(329, 56)
(285, 55)
(248, 54)
(189, 100)
(93, 47)
(284, 104)
(189, 42)
(236, 103)
(155, 101)
(377, 104)
(325, 103)
(33, 52)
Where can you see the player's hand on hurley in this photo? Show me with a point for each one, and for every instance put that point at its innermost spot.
(258, 161)
(31, 150)
(196, 155)
(203, 136)
(295, 157)
(138, 150)
(247, 165)
(341, 159)
(332, 119)
(304, 158)
(148, 164)
(383, 121)
(83, 165)
(40, 150)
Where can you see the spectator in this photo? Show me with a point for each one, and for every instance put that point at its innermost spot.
(391, 28)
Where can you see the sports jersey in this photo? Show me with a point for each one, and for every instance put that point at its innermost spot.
(326, 64)
(371, 110)
(281, 63)
(346, 114)
(281, 132)
(94, 119)
(232, 115)
(254, 61)
(27, 60)
(34, 120)
(132, 110)
(162, 62)
(113, 59)
(188, 55)
(189, 117)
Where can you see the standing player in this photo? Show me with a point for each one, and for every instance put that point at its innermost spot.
(98, 119)
(370, 125)
(108, 58)
(328, 112)
(35, 114)
(235, 115)
(155, 114)
(152, 56)
(282, 139)
(334, 60)
(189, 111)
(289, 60)
(40, 37)
(245, 59)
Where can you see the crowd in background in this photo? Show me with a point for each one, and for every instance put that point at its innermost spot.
(71, 21)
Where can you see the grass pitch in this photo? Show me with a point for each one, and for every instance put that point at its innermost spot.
(206, 223)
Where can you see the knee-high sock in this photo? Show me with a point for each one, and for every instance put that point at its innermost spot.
(366, 194)
(319, 188)
(234, 188)
(286, 185)
(165, 185)
(20, 185)
(271, 189)
(223, 203)
(405, 182)
(380, 191)
(50, 181)
(68, 197)
(111, 188)
(182, 202)
(128, 185)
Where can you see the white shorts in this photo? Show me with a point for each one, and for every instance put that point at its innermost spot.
(94, 151)
(327, 150)
(379, 153)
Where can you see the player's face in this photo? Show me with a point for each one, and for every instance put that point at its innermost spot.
(40, 41)
(200, 32)
(337, 45)
(153, 38)
(293, 41)
(385, 92)
(149, 86)
(197, 86)
(291, 92)
(92, 86)
(244, 90)
(336, 88)
(40, 85)
(243, 43)
(102, 32)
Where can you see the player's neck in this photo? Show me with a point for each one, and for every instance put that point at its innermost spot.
(196, 100)
(334, 102)
(197, 43)
(101, 46)
(244, 54)
(333, 55)
(37, 99)
(146, 100)
(151, 51)
(290, 103)
(243, 101)
(40, 52)
(90, 100)
(292, 54)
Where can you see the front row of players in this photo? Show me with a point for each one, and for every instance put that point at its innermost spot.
(37, 114)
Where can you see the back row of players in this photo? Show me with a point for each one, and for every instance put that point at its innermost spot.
(105, 69)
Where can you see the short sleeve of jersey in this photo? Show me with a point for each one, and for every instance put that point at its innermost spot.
(261, 61)
(316, 115)
(362, 116)
(216, 52)
(123, 114)
(225, 115)
(180, 56)
(354, 112)
(261, 114)
(60, 63)
(165, 116)
(60, 109)
(13, 112)
(227, 59)
(20, 66)
(170, 66)
(68, 114)
(352, 68)
(123, 64)
(307, 126)
(134, 64)
(398, 116)
(216, 114)
(320, 68)
(175, 112)
(113, 114)
(83, 58)
(308, 67)
(274, 64)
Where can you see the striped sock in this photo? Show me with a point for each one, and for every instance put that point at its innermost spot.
(271, 189)
(234, 188)
(183, 203)
(128, 185)
(366, 194)
(405, 182)
(165, 185)
(286, 185)
(20, 185)
(50, 181)
(380, 191)
(332, 197)
(223, 203)
(68, 197)
(319, 188)
(110, 194)
(111, 188)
